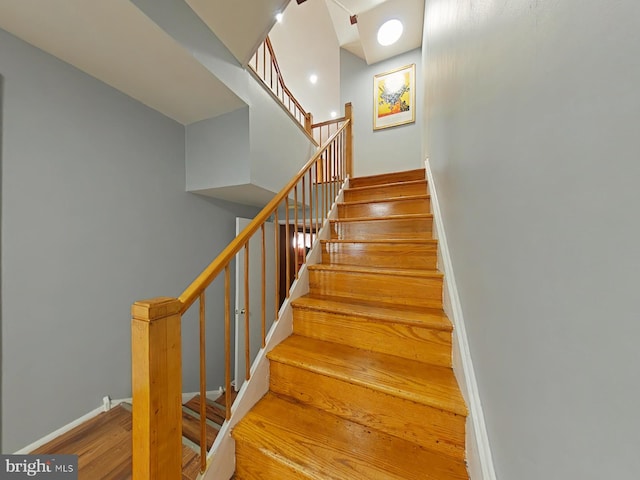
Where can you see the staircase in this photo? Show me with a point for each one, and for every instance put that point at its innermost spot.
(364, 388)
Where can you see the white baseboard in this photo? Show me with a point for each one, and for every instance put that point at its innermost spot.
(62, 430)
(479, 459)
(107, 404)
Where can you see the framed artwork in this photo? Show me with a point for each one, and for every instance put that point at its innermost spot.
(394, 97)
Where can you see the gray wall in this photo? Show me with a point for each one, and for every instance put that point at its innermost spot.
(211, 145)
(392, 149)
(532, 118)
(94, 216)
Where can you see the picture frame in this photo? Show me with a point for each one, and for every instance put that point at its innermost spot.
(394, 97)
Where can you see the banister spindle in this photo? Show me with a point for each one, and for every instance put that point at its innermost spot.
(304, 221)
(277, 255)
(287, 247)
(296, 238)
(203, 386)
(227, 341)
(247, 345)
(264, 289)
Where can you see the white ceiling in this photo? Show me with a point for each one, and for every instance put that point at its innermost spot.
(361, 38)
(116, 43)
(241, 25)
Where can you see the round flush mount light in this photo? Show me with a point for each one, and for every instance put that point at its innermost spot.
(279, 17)
(390, 32)
(313, 78)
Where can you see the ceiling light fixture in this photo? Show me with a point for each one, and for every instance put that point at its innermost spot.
(390, 32)
(334, 114)
(313, 78)
(279, 17)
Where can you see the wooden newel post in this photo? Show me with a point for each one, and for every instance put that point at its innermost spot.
(308, 121)
(348, 113)
(157, 389)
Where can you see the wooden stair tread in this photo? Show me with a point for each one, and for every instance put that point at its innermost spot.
(385, 200)
(392, 241)
(319, 445)
(214, 411)
(378, 186)
(408, 216)
(407, 272)
(191, 429)
(384, 178)
(408, 379)
(418, 316)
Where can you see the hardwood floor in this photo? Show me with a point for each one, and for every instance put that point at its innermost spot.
(103, 443)
(364, 388)
(103, 446)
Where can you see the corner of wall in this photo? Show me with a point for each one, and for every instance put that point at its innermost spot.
(479, 459)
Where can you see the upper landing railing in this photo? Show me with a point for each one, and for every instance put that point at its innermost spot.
(265, 66)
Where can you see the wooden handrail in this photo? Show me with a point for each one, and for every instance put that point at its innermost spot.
(202, 281)
(274, 60)
(303, 117)
(329, 122)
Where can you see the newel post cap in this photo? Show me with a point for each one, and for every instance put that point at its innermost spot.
(155, 308)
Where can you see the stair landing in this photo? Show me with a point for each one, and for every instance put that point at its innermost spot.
(103, 446)
(104, 443)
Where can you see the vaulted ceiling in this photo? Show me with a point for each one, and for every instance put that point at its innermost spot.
(117, 43)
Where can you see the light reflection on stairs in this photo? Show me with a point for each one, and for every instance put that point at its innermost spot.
(364, 389)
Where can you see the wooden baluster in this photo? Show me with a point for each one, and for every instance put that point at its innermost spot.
(317, 195)
(270, 72)
(304, 221)
(310, 201)
(332, 159)
(277, 255)
(227, 341)
(287, 262)
(157, 389)
(246, 313)
(295, 228)
(264, 289)
(264, 61)
(203, 386)
(324, 185)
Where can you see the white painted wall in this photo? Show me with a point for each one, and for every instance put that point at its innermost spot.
(305, 43)
(279, 148)
(392, 149)
(531, 127)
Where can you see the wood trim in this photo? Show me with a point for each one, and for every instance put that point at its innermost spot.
(329, 122)
(348, 111)
(157, 389)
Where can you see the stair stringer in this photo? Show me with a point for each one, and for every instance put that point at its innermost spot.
(222, 456)
(479, 459)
